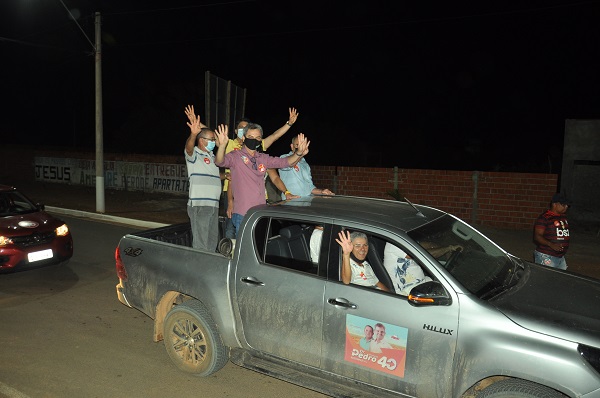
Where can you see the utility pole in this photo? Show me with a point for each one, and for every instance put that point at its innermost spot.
(99, 127)
(100, 208)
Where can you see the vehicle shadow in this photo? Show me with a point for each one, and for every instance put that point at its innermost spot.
(20, 287)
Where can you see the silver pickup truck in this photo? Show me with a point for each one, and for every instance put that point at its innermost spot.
(484, 324)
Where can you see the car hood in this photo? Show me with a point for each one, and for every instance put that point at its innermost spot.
(554, 302)
(25, 224)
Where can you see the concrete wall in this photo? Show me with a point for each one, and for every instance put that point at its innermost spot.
(580, 177)
(506, 200)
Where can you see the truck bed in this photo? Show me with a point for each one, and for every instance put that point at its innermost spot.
(178, 234)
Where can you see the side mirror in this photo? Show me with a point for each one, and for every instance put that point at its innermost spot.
(429, 293)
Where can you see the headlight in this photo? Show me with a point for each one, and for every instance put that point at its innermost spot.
(5, 240)
(591, 355)
(63, 230)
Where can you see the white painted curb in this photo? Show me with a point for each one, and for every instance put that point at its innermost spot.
(105, 217)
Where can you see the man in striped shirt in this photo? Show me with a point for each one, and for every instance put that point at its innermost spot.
(204, 182)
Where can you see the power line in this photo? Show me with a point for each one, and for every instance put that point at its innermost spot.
(38, 45)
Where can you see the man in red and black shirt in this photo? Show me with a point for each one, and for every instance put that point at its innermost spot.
(551, 234)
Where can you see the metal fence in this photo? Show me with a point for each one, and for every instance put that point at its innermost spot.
(225, 103)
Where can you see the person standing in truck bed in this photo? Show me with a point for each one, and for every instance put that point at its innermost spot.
(204, 184)
(248, 167)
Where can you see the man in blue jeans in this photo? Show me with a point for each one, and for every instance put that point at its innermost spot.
(551, 234)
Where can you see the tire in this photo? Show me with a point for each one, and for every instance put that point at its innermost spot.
(192, 341)
(515, 388)
(225, 247)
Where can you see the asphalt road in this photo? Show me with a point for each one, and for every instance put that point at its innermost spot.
(64, 333)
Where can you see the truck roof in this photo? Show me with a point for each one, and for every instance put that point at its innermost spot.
(401, 215)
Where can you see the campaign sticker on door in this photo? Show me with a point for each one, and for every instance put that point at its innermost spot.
(376, 345)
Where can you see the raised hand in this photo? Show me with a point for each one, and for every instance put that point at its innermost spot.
(303, 144)
(192, 117)
(345, 242)
(222, 134)
(293, 115)
(194, 124)
(189, 112)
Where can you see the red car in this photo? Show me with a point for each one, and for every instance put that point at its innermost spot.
(30, 237)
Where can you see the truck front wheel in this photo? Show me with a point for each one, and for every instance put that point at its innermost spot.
(515, 388)
(192, 340)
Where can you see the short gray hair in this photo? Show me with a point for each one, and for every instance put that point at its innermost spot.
(253, 126)
(356, 234)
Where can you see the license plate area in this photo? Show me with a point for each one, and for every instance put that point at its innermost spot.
(39, 255)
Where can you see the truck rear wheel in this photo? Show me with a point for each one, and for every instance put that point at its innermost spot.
(192, 340)
(514, 388)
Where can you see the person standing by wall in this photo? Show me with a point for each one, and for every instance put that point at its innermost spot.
(204, 184)
(551, 234)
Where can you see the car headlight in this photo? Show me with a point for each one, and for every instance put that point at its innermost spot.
(5, 241)
(591, 355)
(63, 230)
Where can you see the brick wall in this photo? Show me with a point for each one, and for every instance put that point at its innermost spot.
(505, 200)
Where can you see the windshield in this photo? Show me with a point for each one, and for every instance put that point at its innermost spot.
(478, 264)
(12, 203)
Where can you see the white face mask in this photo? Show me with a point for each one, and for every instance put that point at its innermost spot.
(240, 133)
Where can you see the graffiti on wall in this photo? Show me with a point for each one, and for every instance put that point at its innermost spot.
(129, 176)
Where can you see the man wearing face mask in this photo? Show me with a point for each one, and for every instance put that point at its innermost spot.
(248, 167)
(235, 145)
(204, 184)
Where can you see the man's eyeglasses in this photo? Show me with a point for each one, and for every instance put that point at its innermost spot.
(358, 245)
(253, 163)
(208, 139)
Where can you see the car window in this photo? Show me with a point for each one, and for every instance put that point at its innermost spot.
(475, 261)
(286, 243)
(390, 262)
(13, 203)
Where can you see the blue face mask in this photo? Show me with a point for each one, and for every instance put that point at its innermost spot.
(240, 133)
(210, 146)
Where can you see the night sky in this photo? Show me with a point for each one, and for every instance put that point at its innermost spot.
(434, 85)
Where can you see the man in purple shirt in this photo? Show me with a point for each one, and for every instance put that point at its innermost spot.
(248, 167)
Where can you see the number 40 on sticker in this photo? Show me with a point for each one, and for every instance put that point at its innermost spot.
(387, 363)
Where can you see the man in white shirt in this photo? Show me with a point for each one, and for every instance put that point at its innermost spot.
(315, 243)
(378, 341)
(355, 268)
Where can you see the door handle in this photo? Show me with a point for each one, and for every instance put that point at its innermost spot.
(342, 302)
(252, 281)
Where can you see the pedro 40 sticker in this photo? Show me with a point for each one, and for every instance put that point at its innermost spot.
(376, 345)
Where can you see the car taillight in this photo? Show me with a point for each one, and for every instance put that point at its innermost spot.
(121, 273)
